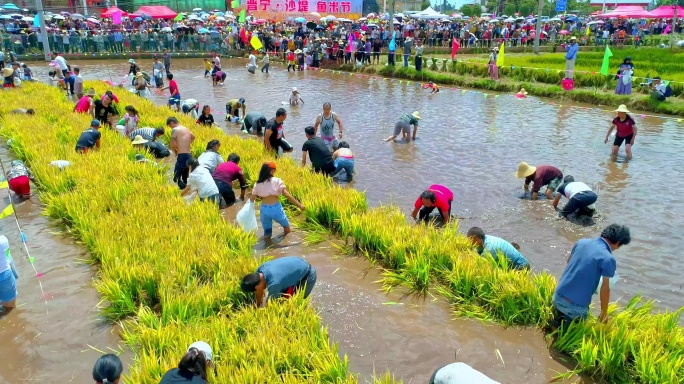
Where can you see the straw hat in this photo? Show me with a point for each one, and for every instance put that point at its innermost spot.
(7, 72)
(525, 170)
(523, 91)
(416, 115)
(298, 51)
(622, 108)
(138, 140)
(573, 38)
(294, 89)
(139, 74)
(91, 92)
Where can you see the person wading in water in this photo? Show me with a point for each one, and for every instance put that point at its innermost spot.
(326, 121)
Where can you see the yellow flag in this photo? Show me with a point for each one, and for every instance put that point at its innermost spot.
(4, 185)
(500, 58)
(256, 43)
(7, 211)
(588, 31)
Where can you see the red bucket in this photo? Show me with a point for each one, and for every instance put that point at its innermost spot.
(568, 84)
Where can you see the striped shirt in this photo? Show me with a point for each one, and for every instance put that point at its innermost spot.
(146, 133)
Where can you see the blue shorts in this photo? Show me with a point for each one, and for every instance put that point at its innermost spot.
(175, 100)
(8, 286)
(270, 213)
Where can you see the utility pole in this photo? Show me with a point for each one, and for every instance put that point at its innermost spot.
(538, 30)
(674, 23)
(43, 30)
(391, 18)
(85, 8)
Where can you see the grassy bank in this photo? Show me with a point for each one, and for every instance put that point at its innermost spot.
(172, 270)
(474, 75)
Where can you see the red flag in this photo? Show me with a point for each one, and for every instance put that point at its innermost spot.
(454, 48)
(243, 36)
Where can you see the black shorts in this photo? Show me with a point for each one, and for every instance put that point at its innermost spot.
(618, 140)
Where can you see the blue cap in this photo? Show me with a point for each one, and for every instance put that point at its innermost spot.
(95, 123)
(242, 101)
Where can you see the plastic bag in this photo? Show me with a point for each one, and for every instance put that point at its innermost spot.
(246, 218)
(611, 282)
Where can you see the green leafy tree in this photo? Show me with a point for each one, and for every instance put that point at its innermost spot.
(471, 10)
(509, 9)
(667, 2)
(424, 4)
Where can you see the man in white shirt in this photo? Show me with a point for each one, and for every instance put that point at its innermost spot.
(78, 83)
(459, 373)
(62, 63)
(580, 198)
(251, 67)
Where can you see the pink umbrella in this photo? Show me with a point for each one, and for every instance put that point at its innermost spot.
(260, 21)
(564, 32)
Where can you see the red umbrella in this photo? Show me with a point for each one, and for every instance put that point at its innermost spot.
(260, 21)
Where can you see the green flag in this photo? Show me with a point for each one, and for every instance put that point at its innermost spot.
(606, 61)
(243, 13)
(235, 4)
(178, 17)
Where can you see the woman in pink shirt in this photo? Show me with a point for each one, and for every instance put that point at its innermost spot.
(84, 104)
(269, 188)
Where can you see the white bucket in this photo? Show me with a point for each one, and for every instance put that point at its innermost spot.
(121, 129)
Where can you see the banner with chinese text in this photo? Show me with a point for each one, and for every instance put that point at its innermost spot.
(283, 9)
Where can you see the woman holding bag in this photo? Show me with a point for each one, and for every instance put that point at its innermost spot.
(269, 188)
(624, 77)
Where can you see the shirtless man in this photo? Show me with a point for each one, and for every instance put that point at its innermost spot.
(181, 139)
(327, 121)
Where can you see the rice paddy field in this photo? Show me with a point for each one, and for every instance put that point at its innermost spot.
(169, 272)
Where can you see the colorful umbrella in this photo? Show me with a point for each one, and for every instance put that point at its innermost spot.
(564, 32)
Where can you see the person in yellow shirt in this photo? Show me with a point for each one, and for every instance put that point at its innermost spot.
(207, 67)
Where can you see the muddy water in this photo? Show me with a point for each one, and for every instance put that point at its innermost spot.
(53, 334)
(472, 145)
(410, 337)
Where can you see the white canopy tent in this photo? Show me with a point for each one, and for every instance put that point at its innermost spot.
(429, 13)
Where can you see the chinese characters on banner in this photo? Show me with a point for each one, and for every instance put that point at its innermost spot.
(276, 9)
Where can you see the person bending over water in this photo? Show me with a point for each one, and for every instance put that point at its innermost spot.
(590, 262)
(403, 126)
(493, 245)
(580, 198)
(344, 160)
(436, 196)
(542, 175)
(626, 131)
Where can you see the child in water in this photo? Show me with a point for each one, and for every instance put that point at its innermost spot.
(207, 67)
(295, 97)
(521, 94)
(435, 88)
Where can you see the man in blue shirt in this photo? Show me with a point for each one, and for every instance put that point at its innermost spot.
(280, 278)
(493, 245)
(591, 261)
